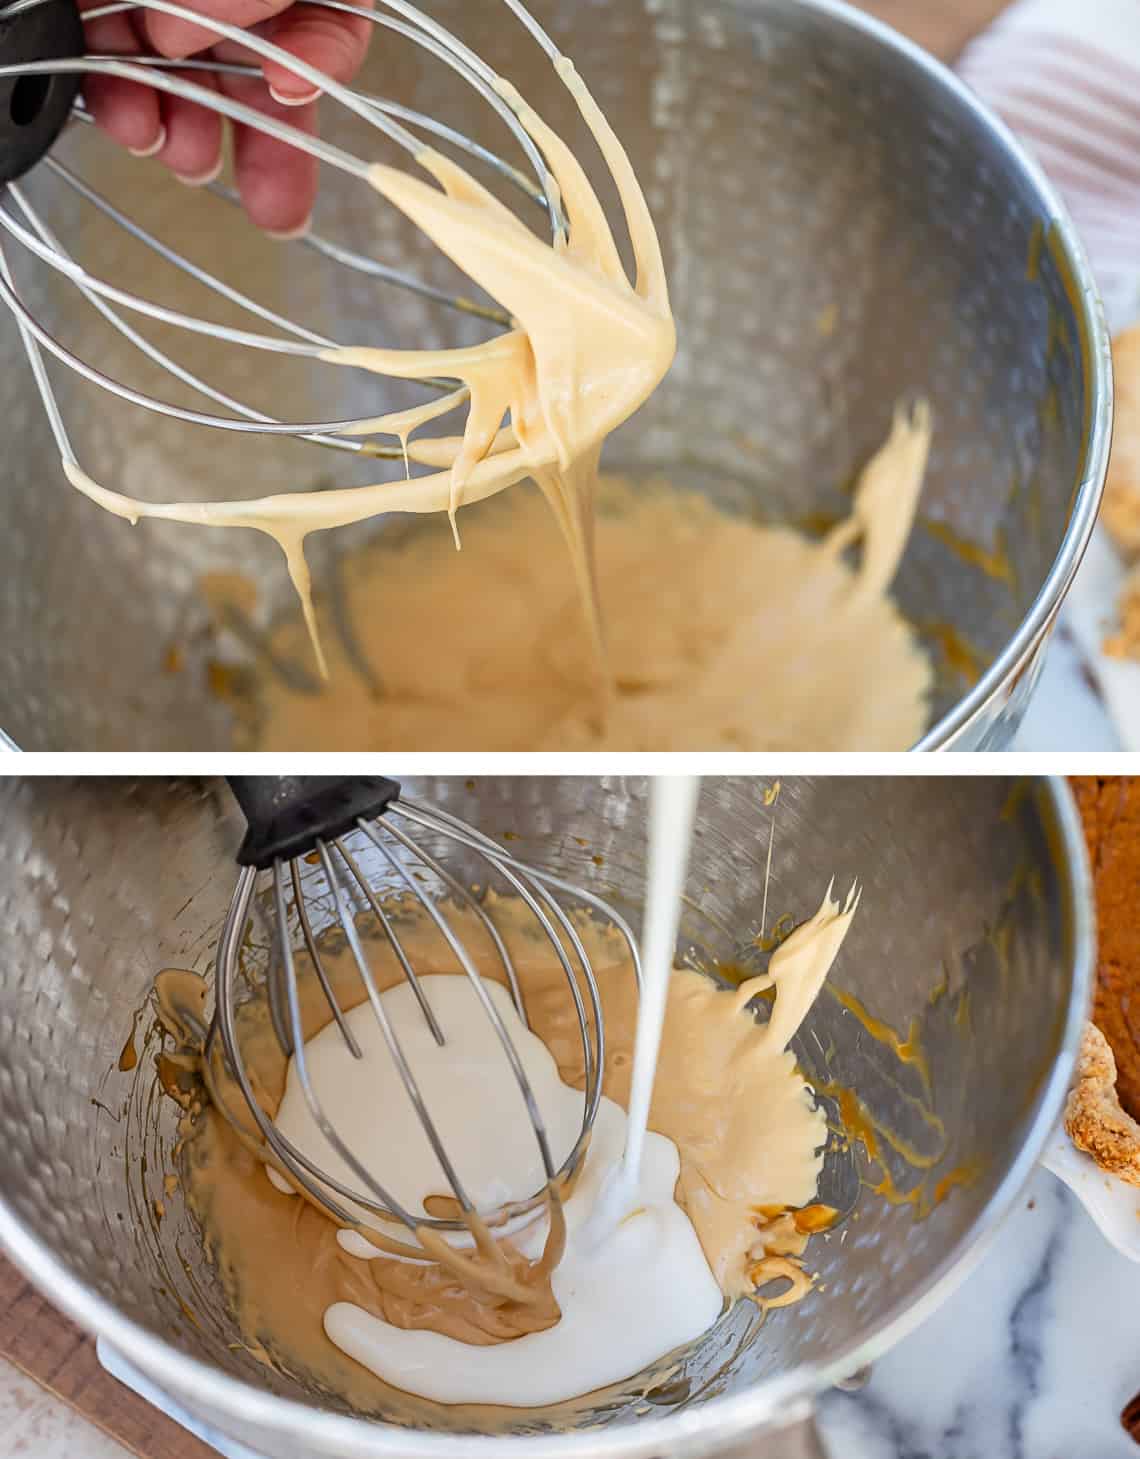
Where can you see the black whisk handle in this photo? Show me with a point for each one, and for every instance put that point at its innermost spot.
(287, 814)
(35, 104)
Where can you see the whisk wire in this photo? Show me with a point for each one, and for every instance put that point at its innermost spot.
(393, 940)
(527, 881)
(391, 1039)
(416, 27)
(180, 261)
(318, 962)
(315, 1183)
(91, 289)
(64, 264)
(342, 873)
(473, 975)
(391, 119)
(311, 240)
(301, 1065)
(159, 357)
(468, 836)
(277, 981)
(469, 900)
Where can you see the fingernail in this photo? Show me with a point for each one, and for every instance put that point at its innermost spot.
(284, 100)
(156, 146)
(200, 179)
(285, 235)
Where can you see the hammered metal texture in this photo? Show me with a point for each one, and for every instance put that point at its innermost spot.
(963, 938)
(841, 231)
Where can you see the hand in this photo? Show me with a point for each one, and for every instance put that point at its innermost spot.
(278, 183)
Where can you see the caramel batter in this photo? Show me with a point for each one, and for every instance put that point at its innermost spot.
(727, 1093)
(721, 634)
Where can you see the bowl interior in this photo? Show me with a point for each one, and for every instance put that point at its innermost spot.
(842, 228)
(948, 1014)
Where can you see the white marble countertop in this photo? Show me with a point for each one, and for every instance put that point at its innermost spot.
(1066, 711)
(1032, 1358)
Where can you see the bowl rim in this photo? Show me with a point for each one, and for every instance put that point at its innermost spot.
(722, 1422)
(1096, 346)
(1037, 622)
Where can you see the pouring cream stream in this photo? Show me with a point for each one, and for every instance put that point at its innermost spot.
(672, 810)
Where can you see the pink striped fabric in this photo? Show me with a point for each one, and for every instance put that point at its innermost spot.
(1065, 75)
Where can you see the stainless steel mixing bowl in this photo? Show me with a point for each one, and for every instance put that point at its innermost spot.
(975, 927)
(844, 225)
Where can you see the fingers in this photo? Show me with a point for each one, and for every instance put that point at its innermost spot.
(125, 111)
(277, 183)
(332, 42)
(192, 148)
(176, 39)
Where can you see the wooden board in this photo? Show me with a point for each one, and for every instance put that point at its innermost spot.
(52, 1350)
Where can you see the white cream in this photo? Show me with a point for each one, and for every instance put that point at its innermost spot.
(672, 810)
(625, 1303)
(467, 1085)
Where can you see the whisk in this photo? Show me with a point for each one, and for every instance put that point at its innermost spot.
(294, 817)
(41, 65)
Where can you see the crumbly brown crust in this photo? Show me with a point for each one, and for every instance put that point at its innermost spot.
(1125, 642)
(1094, 1119)
(1110, 813)
(1121, 510)
(1104, 1104)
